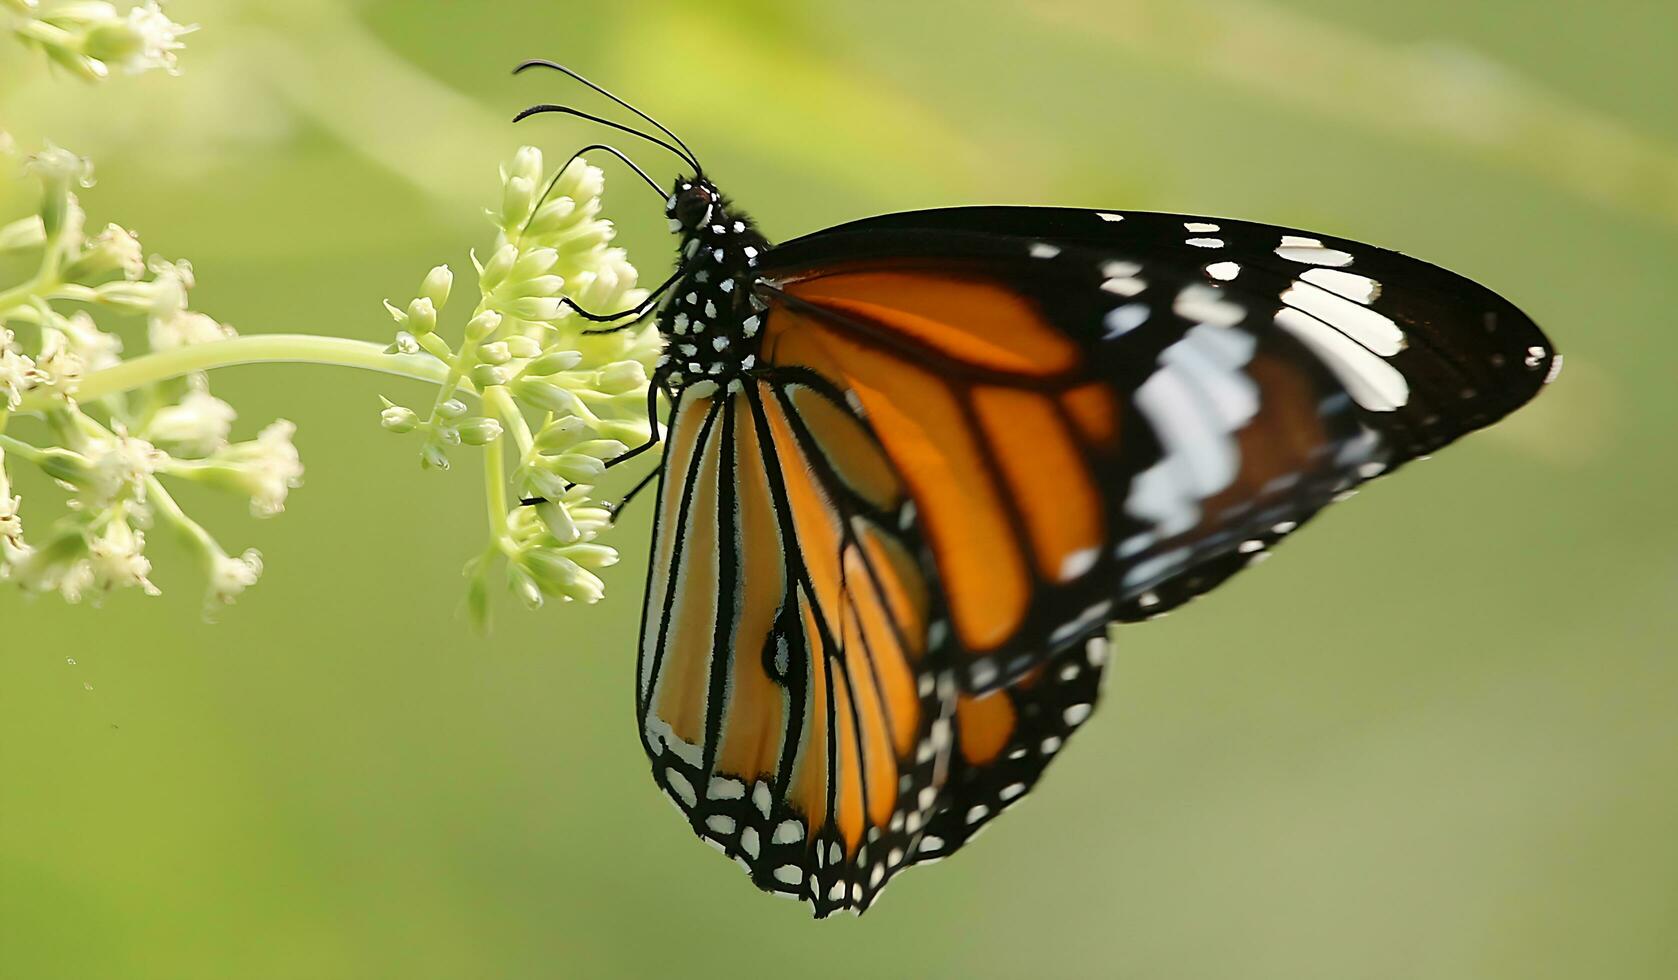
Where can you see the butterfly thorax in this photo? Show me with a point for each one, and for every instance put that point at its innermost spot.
(711, 316)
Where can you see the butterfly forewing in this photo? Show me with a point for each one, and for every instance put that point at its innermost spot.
(1104, 414)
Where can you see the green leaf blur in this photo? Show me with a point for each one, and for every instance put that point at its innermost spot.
(1434, 738)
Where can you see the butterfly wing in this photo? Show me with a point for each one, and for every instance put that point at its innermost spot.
(1101, 418)
(1100, 415)
(787, 698)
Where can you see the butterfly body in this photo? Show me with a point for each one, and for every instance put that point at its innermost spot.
(712, 314)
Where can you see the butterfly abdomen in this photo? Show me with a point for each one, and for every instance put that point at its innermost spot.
(712, 317)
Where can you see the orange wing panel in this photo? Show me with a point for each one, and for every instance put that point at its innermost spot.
(683, 683)
(808, 787)
(966, 319)
(1048, 475)
(751, 738)
(985, 725)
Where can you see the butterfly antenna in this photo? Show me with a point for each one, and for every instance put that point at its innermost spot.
(560, 173)
(566, 110)
(686, 153)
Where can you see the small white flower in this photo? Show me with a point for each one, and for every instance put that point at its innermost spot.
(11, 523)
(197, 426)
(120, 465)
(230, 577)
(59, 364)
(266, 469)
(185, 328)
(116, 560)
(144, 40)
(18, 373)
(116, 249)
(58, 167)
(97, 349)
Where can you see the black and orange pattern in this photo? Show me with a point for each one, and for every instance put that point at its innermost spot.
(917, 465)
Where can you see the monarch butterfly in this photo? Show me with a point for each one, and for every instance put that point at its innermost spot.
(916, 465)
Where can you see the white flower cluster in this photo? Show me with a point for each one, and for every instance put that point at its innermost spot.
(92, 38)
(112, 456)
(529, 357)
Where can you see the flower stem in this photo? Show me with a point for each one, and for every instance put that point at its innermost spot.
(495, 477)
(259, 349)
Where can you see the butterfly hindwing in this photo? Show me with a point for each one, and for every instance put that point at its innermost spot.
(787, 698)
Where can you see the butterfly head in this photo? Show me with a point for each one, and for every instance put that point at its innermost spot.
(693, 204)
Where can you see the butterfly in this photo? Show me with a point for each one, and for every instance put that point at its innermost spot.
(915, 467)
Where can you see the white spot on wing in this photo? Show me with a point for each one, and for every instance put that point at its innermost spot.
(1311, 251)
(1361, 289)
(1371, 381)
(1078, 563)
(1369, 328)
(681, 787)
(1123, 319)
(1206, 304)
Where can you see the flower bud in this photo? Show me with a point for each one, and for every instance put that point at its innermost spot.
(622, 376)
(488, 376)
(422, 316)
(479, 432)
(454, 408)
(523, 347)
(575, 467)
(495, 272)
(526, 164)
(396, 418)
(517, 198)
(553, 363)
(483, 326)
(438, 283)
(560, 433)
(23, 233)
(536, 262)
(496, 353)
(542, 484)
(72, 469)
(537, 309)
(592, 555)
(432, 456)
(524, 586)
(552, 216)
(556, 517)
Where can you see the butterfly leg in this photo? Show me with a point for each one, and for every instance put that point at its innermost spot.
(657, 385)
(645, 482)
(632, 315)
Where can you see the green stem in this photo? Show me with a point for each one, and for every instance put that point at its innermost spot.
(19, 295)
(23, 449)
(495, 466)
(259, 349)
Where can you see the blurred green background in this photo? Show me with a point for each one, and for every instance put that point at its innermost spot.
(1436, 738)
